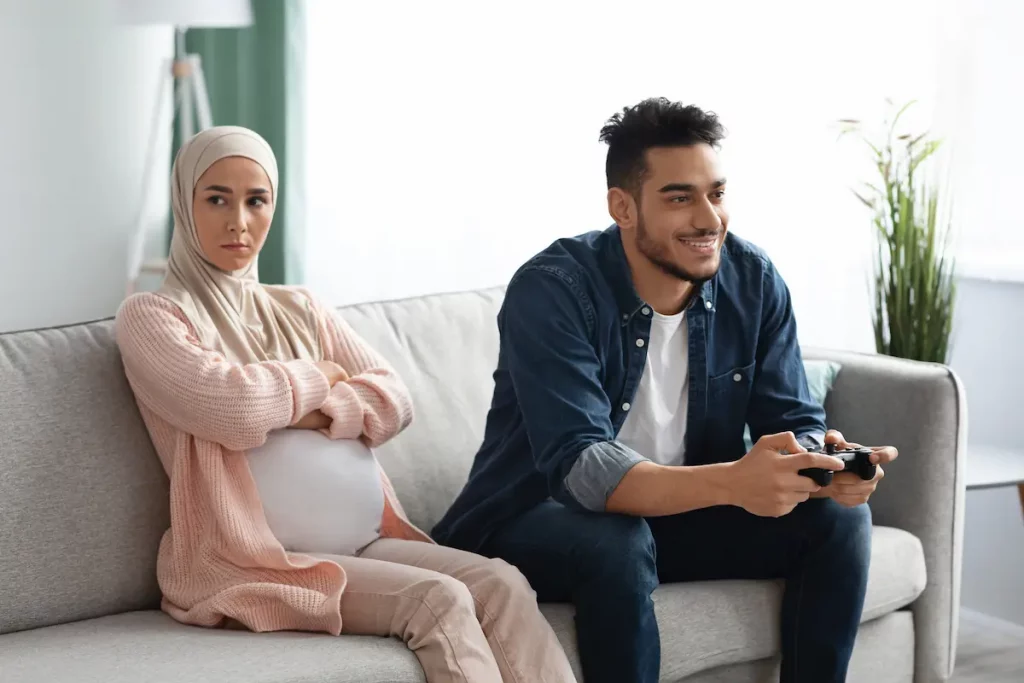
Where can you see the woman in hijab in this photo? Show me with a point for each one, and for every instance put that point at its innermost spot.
(264, 407)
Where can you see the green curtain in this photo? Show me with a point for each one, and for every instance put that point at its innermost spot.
(255, 77)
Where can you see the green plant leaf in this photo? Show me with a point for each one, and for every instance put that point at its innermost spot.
(913, 281)
(929, 148)
(864, 201)
(916, 140)
(900, 113)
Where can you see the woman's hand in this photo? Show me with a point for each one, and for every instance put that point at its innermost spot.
(334, 372)
(315, 420)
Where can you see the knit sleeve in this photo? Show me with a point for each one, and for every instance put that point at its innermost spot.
(373, 403)
(198, 391)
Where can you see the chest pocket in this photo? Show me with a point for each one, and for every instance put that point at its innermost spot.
(727, 402)
(729, 393)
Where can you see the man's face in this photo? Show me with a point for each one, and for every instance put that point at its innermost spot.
(682, 219)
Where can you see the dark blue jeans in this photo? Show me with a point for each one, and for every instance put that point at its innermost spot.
(608, 565)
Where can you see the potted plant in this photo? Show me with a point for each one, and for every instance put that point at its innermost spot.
(913, 284)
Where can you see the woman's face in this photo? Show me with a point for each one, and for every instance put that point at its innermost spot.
(232, 208)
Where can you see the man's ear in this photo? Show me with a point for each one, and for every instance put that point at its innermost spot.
(622, 208)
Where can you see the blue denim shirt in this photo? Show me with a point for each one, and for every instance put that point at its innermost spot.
(574, 338)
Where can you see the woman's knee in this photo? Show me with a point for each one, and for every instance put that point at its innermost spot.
(501, 583)
(435, 609)
(445, 595)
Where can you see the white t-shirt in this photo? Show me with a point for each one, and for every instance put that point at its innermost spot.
(319, 495)
(656, 422)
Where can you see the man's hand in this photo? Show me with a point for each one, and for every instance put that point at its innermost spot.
(847, 488)
(332, 371)
(765, 481)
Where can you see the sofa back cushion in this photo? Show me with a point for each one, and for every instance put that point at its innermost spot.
(83, 498)
(445, 349)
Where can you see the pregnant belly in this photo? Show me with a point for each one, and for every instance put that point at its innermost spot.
(318, 495)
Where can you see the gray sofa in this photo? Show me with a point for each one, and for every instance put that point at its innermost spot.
(83, 504)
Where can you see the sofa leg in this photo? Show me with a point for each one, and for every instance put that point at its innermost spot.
(1020, 489)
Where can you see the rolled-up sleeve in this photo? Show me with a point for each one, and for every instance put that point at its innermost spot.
(546, 326)
(598, 470)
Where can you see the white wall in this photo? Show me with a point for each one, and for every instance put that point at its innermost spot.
(452, 140)
(990, 327)
(78, 101)
(992, 141)
(990, 302)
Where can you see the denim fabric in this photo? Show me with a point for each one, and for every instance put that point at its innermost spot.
(608, 565)
(574, 338)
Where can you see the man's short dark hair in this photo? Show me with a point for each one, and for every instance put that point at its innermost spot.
(655, 122)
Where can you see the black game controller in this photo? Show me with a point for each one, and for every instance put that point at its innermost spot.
(856, 460)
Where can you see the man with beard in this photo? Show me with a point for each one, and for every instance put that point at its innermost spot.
(613, 459)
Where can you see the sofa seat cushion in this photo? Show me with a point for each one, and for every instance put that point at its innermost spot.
(883, 653)
(714, 623)
(703, 625)
(150, 646)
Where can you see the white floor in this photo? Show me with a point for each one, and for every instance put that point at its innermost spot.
(990, 650)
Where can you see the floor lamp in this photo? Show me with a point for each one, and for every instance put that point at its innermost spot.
(191, 102)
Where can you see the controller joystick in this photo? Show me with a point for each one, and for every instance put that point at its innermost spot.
(856, 460)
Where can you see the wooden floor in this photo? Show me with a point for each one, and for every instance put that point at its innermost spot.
(989, 650)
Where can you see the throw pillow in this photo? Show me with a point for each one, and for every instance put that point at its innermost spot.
(821, 375)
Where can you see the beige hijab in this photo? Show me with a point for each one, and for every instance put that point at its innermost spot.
(231, 311)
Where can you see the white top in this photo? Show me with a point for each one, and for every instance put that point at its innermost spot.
(656, 422)
(319, 495)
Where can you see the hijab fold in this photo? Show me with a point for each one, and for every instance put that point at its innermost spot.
(231, 311)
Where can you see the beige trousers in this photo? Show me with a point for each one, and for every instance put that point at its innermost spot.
(468, 619)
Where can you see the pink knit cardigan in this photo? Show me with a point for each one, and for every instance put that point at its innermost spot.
(219, 563)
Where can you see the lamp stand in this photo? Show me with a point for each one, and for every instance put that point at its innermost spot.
(192, 108)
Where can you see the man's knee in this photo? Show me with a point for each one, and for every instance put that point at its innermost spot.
(847, 529)
(620, 557)
(567, 554)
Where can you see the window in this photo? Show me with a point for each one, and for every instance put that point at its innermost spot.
(990, 152)
(449, 141)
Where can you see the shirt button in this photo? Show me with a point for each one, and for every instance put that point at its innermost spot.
(640, 342)
(707, 305)
(737, 377)
(645, 311)
(625, 406)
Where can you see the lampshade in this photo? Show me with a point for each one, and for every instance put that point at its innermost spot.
(186, 13)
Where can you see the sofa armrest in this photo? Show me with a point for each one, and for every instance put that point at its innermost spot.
(920, 409)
